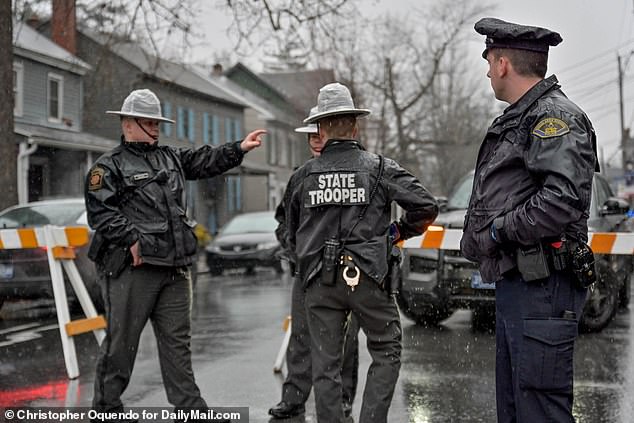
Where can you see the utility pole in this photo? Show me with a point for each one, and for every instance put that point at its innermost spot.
(624, 131)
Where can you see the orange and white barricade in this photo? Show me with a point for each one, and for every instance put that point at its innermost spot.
(59, 243)
(440, 238)
(281, 355)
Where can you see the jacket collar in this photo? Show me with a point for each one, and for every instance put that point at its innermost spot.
(530, 97)
(138, 147)
(342, 144)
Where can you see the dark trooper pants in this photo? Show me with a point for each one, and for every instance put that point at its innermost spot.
(299, 381)
(162, 295)
(534, 348)
(328, 307)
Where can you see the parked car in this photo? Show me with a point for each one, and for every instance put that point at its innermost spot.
(246, 241)
(437, 282)
(24, 273)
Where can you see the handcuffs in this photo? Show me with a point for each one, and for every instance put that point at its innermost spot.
(349, 266)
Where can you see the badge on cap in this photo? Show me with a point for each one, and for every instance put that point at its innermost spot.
(550, 128)
(96, 179)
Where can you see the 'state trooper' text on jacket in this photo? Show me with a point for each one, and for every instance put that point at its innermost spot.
(330, 191)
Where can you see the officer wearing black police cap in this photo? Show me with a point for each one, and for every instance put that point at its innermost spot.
(338, 220)
(526, 224)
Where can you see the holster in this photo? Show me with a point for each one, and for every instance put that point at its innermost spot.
(330, 261)
(532, 263)
(97, 247)
(393, 278)
(115, 260)
(582, 265)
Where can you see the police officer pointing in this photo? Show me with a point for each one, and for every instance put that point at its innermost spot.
(143, 246)
(526, 224)
(338, 223)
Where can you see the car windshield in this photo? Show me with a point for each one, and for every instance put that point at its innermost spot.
(460, 198)
(249, 223)
(61, 214)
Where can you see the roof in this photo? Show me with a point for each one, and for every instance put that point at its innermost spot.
(163, 69)
(301, 87)
(60, 138)
(241, 79)
(30, 44)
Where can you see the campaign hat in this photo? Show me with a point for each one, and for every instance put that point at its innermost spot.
(335, 99)
(143, 104)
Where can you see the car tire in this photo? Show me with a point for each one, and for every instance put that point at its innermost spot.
(428, 316)
(432, 317)
(625, 292)
(602, 300)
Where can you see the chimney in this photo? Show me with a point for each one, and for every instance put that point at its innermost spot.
(216, 70)
(63, 25)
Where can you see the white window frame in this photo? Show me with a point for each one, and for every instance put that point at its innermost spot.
(18, 89)
(60, 97)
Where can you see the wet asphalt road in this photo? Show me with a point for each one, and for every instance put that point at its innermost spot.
(447, 373)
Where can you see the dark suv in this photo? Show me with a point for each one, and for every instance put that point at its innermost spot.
(437, 282)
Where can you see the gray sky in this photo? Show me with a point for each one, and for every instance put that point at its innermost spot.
(594, 32)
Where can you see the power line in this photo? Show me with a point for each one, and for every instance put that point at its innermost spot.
(597, 57)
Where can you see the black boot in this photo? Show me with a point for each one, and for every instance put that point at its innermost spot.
(284, 410)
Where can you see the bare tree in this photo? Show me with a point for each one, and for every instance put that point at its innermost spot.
(279, 23)
(415, 70)
(8, 147)
(155, 24)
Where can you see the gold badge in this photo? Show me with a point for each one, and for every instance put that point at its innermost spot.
(551, 127)
(96, 179)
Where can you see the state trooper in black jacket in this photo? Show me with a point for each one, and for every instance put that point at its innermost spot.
(339, 231)
(299, 378)
(143, 244)
(527, 223)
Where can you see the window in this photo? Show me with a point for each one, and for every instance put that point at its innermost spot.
(211, 129)
(167, 112)
(55, 94)
(180, 123)
(215, 130)
(186, 122)
(206, 135)
(18, 88)
(237, 129)
(234, 194)
(228, 130)
(191, 120)
(233, 129)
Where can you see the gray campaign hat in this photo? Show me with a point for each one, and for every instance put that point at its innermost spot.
(311, 128)
(502, 34)
(141, 104)
(335, 99)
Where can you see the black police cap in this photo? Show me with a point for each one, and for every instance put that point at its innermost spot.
(502, 34)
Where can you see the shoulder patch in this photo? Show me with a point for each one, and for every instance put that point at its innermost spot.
(95, 181)
(550, 127)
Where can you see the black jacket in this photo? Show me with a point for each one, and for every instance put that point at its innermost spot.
(137, 192)
(534, 170)
(325, 197)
